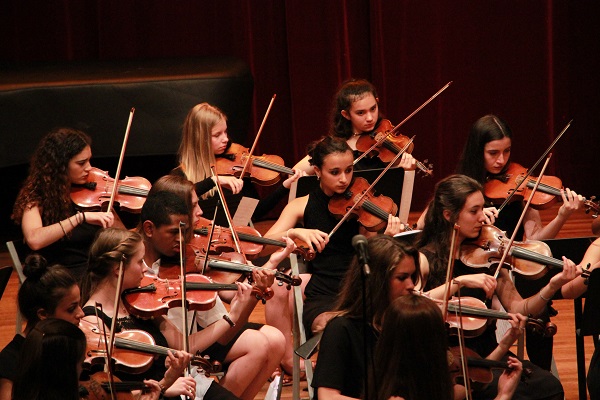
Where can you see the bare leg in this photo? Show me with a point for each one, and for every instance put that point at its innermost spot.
(253, 357)
(278, 313)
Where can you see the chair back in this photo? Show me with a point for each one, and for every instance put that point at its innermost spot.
(5, 273)
(14, 248)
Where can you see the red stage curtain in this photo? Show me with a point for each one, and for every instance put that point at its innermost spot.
(535, 63)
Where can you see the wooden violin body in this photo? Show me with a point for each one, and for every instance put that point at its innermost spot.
(251, 242)
(479, 369)
(372, 211)
(156, 296)
(97, 388)
(264, 170)
(499, 187)
(530, 258)
(132, 192)
(135, 350)
(129, 361)
(222, 269)
(388, 145)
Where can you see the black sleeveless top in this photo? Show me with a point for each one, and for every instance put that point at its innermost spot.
(72, 251)
(329, 267)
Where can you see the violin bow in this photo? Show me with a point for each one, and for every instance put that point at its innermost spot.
(234, 234)
(357, 202)
(184, 303)
(461, 336)
(109, 343)
(210, 236)
(530, 170)
(514, 234)
(249, 159)
(107, 352)
(120, 164)
(397, 127)
(450, 269)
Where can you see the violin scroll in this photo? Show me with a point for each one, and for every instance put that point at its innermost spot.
(385, 144)
(539, 327)
(206, 365)
(592, 206)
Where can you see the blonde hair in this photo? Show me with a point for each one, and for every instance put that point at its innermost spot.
(195, 152)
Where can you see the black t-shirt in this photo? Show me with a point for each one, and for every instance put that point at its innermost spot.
(341, 362)
(9, 358)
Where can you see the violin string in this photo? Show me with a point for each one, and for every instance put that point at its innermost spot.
(272, 166)
(530, 255)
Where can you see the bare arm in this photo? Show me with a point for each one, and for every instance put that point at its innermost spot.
(38, 236)
(534, 305)
(5, 389)
(325, 393)
(577, 287)
(533, 222)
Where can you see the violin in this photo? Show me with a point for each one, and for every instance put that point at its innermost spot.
(132, 192)
(251, 241)
(129, 361)
(389, 143)
(372, 212)
(97, 387)
(264, 170)
(480, 369)
(475, 315)
(156, 296)
(531, 258)
(499, 187)
(231, 267)
(134, 350)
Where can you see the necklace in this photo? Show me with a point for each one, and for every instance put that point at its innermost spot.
(357, 133)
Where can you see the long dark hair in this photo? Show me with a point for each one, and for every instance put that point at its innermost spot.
(48, 362)
(450, 194)
(48, 185)
(411, 353)
(486, 129)
(349, 92)
(44, 287)
(385, 253)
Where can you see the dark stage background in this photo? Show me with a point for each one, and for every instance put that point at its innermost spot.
(535, 63)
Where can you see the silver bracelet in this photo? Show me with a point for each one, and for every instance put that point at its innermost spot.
(543, 298)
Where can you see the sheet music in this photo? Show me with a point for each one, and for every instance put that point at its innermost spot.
(406, 199)
(244, 212)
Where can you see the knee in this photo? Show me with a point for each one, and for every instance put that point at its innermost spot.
(280, 297)
(275, 339)
(256, 345)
